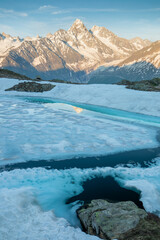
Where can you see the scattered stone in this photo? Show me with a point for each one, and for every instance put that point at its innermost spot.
(122, 221)
(31, 87)
(38, 78)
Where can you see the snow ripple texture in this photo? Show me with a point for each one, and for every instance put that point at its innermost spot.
(34, 131)
(33, 200)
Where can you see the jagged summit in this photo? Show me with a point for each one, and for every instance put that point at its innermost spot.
(68, 54)
(78, 23)
(1, 37)
(49, 35)
(77, 27)
(28, 38)
(6, 35)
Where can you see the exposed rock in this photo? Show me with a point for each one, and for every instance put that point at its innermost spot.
(136, 71)
(147, 229)
(148, 54)
(122, 221)
(31, 87)
(38, 78)
(69, 55)
(145, 85)
(4, 73)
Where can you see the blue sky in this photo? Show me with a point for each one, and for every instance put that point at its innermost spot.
(125, 18)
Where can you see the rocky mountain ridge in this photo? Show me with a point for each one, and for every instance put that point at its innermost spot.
(68, 55)
(141, 65)
(150, 54)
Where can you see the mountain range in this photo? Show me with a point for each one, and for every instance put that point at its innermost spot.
(81, 55)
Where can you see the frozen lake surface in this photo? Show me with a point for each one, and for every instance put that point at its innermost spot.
(41, 129)
(40, 137)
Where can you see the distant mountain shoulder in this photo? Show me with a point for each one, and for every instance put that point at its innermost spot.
(5, 73)
(149, 54)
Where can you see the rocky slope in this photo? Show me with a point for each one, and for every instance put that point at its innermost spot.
(142, 64)
(120, 46)
(149, 54)
(140, 43)
(135, 72)
(68, 55)
(8, 43)
(4, 73)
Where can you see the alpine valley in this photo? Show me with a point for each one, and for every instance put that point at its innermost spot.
(81, 55)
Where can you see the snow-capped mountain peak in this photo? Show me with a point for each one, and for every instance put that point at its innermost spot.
(49, 35)
(78, 24)
(8, 43)
(77, 28)
(140, 43)
(101, 31)
(67, 54)
(6, 35)
(119, 45)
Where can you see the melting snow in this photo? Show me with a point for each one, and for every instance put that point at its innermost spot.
(34, 131)
(33, 200)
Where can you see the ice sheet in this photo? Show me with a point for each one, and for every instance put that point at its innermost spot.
(34, 131)
(22, 218)
(33, 200)
(108, 95)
